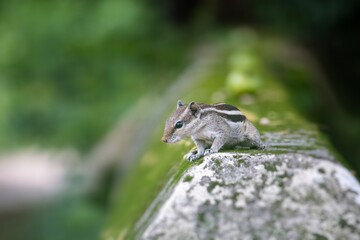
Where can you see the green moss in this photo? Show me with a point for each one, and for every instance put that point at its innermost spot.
(319, 237)
(270, 167)
(280, 179)
(201, 217)
(312, 196)
(217, 162)
(142, 185)
(213, 184)
(188, 178)
(239, 162)
(344, 224)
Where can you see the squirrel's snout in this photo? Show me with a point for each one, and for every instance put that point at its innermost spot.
(164, 139)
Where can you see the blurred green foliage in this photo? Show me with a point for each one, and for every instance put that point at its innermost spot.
(70, 69)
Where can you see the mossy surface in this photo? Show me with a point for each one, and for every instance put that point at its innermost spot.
(239, 76)
(281, 196)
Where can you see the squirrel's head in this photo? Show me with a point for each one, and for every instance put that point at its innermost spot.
(180, 124)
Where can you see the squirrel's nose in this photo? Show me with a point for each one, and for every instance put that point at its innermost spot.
(164, 139)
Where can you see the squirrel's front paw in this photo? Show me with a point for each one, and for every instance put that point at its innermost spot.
(209, 151)
(192, 156)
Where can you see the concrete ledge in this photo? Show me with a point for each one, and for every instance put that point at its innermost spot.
(260, 196)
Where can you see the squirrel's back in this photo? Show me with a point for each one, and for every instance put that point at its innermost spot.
(206, 122)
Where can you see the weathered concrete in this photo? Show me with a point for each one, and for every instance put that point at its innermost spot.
(299, 194)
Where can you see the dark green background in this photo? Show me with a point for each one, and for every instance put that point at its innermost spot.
(70, 69)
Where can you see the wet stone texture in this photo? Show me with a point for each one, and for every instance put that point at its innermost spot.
(301, 194)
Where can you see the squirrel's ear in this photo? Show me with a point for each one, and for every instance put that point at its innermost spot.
(179, 103)
(194, 108)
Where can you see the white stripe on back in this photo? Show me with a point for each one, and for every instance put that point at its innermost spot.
(234, 112)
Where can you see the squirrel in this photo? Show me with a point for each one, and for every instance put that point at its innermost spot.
(211, 127)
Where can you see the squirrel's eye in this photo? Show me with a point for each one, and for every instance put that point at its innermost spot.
(179, 124)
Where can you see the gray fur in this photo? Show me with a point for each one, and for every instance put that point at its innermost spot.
(211, 127)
